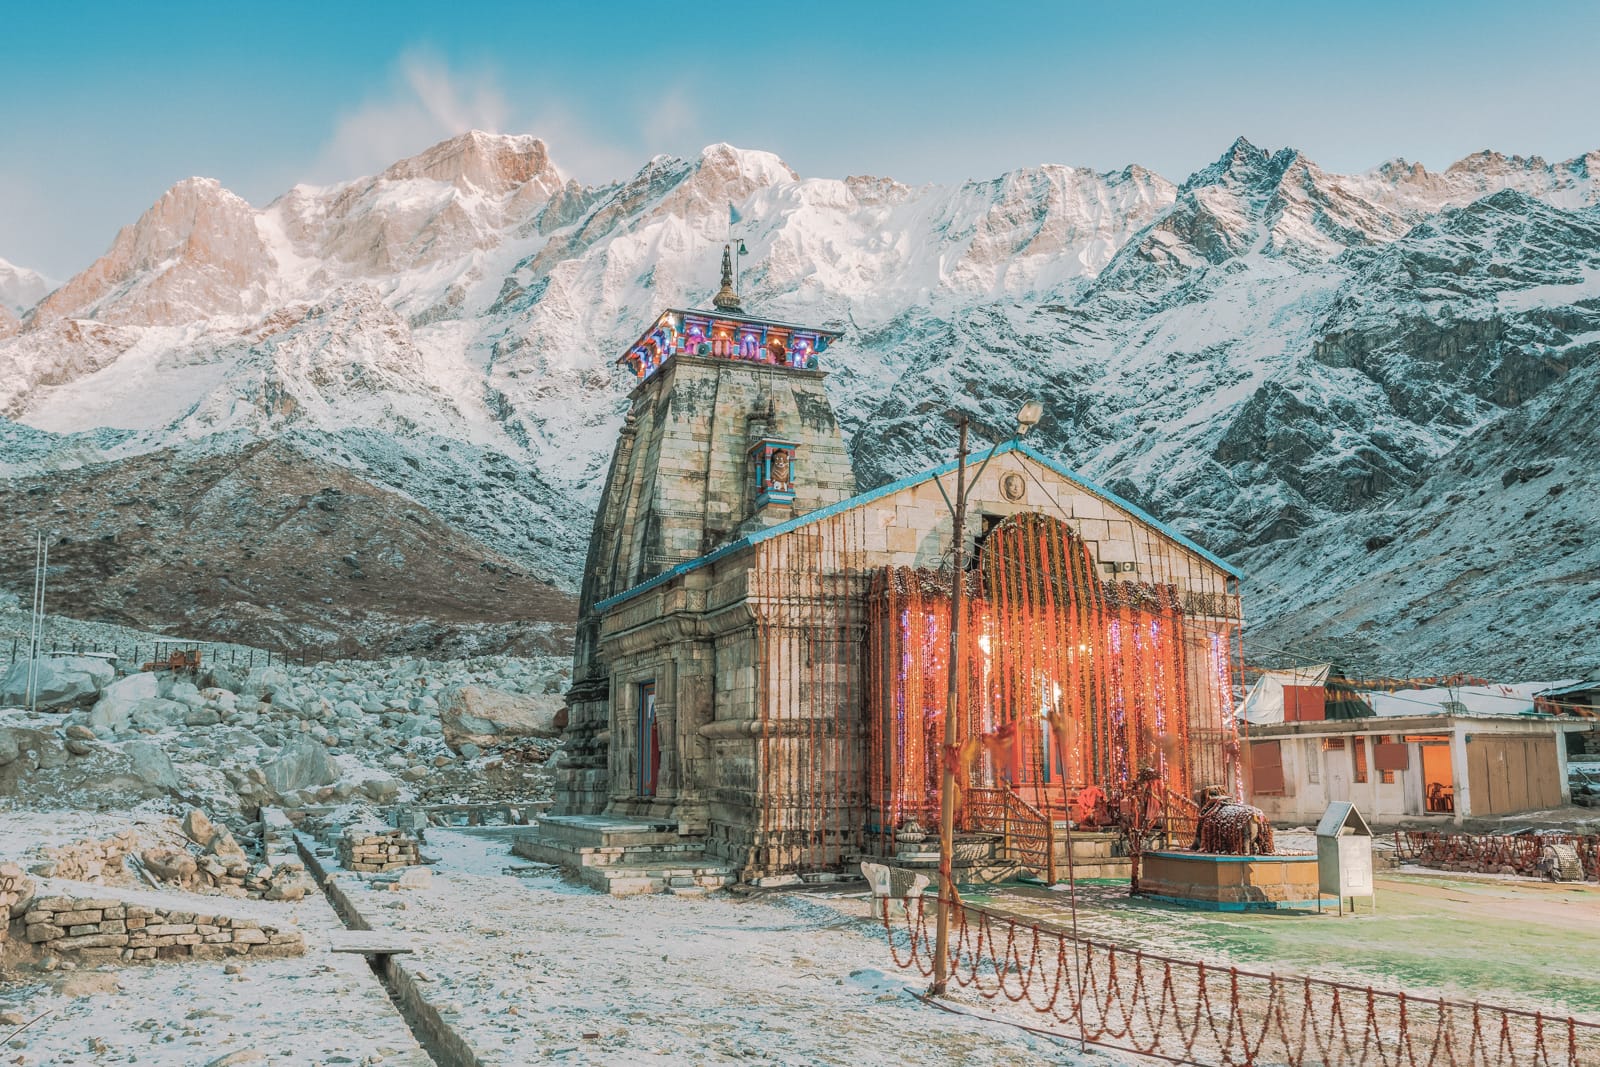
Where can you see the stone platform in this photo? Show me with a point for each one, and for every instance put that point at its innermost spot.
(1230, 883)
(623, 856)
(980, 858)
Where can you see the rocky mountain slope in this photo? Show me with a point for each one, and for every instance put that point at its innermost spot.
(1274, 357)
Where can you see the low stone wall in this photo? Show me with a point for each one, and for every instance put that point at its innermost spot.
(113, 929)
(377, 850)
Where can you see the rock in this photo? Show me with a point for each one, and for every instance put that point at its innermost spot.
(221, 676)
(487, 717)
(381, 790)
(201, 716)
(269, 683)
(169, 864)
(225, 848)
(235, 1059)
(89, 984)
(79, 732)
(150, 764)
(59, 681)
(155, 714)
(10, 749)
(198, 828)
(302, 762)
(78, 747)
(184, 692)
(415, 878)
(118, 699)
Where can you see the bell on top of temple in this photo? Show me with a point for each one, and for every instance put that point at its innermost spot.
(726, 299)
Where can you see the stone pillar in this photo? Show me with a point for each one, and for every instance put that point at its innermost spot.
(582, 783)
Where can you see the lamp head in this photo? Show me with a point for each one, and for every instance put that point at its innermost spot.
(1029, 417)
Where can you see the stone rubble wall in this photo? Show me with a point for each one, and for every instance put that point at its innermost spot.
(377, 850)
(110, 929)
(89, 860)
(16, 891)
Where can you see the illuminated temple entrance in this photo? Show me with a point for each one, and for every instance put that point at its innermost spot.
(1071, 684)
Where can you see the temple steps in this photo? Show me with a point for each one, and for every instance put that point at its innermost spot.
(624, 857)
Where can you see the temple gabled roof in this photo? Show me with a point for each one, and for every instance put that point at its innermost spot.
(907, 482)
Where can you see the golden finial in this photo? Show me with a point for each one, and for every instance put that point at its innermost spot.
(726, 299)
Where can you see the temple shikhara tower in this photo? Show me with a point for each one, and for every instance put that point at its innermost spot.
(759, 681)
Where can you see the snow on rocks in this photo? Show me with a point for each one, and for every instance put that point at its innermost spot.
(483, 717)
(297, 736)
(58, 681)
(119, 699)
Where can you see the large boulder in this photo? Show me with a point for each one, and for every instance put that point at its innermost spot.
(58, 681)
(266, 683)
(302, 762)
(150, 765)
(472, 715)
(117, 700)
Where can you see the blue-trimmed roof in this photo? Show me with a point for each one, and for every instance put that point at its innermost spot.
(905, 483)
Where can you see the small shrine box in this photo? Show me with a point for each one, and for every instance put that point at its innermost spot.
(1344, 856)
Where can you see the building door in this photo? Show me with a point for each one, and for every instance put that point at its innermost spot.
(1338, 769)
(1438, 778)
(649, 741)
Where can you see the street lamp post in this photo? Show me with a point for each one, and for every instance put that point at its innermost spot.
(1027, 418)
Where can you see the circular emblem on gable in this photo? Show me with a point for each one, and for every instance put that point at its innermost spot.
(1013, 487)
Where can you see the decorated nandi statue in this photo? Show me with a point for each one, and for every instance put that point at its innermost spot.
(1230, 828)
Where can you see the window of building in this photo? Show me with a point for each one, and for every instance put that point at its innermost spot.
(1358, 758)
(1333, 744)
(1386, 774)
(1266, 768)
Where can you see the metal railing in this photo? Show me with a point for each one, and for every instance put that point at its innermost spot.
(1027, 835)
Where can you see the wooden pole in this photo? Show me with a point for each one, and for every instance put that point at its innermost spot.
(952, 729)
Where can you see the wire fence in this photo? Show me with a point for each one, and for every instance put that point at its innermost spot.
(1192, 1012)
(131, 657)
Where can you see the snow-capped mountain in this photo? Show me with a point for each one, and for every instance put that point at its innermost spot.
(20, 289)
(1265, 352)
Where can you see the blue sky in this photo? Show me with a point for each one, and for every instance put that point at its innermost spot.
(105, 106)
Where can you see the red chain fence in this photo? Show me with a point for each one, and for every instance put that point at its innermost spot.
(1491, 853)
(1190, 1012)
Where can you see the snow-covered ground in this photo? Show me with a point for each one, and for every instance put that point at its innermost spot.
(319, 1009)
(528, 967)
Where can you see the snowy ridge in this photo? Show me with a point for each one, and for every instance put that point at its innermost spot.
(20, 289)
(1264, 351)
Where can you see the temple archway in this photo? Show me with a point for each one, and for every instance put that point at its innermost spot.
(1069, 679)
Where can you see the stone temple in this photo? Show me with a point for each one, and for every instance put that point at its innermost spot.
(759, 681)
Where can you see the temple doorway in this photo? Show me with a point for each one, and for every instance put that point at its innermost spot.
(649, 741)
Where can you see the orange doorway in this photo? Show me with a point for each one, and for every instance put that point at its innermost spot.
(1438, 777)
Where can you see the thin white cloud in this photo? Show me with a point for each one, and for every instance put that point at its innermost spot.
(671, 118)
(428, 101)
(428, 104)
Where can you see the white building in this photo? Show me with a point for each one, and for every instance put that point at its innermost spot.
(1445, 754)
